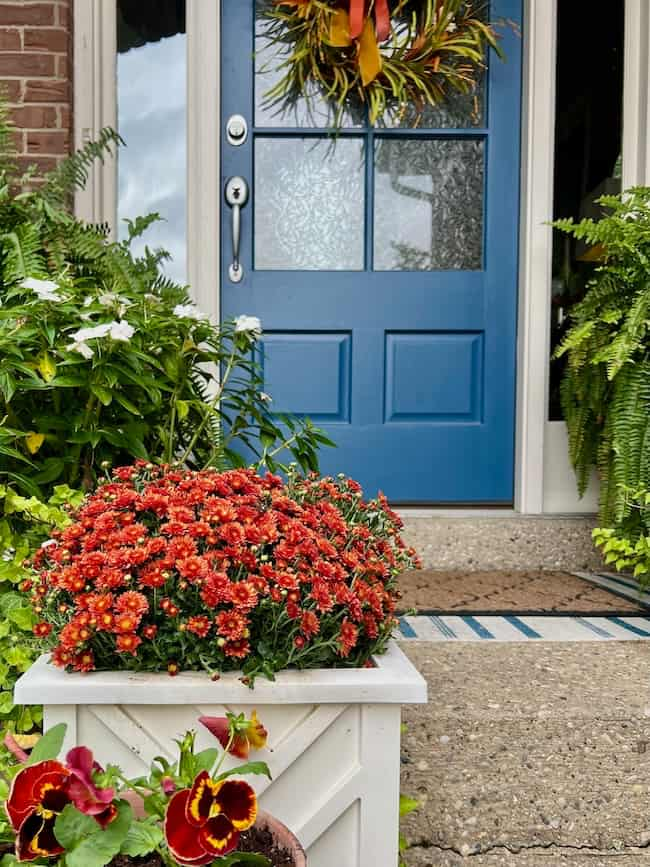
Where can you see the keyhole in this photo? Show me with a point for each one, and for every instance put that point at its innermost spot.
(236, 192)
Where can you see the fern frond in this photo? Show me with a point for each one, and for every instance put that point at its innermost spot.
(72, 173)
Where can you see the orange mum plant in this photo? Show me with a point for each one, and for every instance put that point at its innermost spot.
(168, 568)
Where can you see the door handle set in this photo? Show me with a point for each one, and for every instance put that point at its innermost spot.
(236, 194)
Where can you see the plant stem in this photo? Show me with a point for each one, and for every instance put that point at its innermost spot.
(215, 400)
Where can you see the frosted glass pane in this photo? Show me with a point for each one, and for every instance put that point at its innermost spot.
(309, 204)
(152, 110)
(428, 205)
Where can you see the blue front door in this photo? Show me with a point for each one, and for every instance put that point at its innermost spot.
(383, 265)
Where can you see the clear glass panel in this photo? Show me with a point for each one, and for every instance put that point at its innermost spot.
(459, 111)
(428, 204)
(151, 93)
(309, 204)
(304, 113)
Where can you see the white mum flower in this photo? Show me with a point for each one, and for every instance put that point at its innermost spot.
(47, 290)
(187, 311)
(248, 324)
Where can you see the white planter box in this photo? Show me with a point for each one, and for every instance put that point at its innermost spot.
(334, 740)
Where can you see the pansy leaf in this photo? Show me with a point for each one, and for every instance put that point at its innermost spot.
(142, 838)
(49, 746)
(205, 760)
(260, 768)
(73, 826)
(85, 842)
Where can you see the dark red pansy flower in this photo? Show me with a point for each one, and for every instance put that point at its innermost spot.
(38, 794)
(249, 735)
(84, 793)
(204, 822)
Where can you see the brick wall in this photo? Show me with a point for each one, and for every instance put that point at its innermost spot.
(36, 74)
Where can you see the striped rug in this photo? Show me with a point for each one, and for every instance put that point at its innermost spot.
(528, 627)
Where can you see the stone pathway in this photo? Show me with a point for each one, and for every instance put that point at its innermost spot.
(529, 755)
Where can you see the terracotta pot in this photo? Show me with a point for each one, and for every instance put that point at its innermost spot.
(283, 837)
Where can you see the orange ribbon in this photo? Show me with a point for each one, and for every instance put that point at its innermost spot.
(357, 18)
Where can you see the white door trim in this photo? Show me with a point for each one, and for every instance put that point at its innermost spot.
(543, 479)
(95, 102)
(203, 158)
(537, 161)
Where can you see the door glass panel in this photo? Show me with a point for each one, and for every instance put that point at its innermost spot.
(458, 111)
(309, 204)
(151, 98)
(428, 209)
(304, 113)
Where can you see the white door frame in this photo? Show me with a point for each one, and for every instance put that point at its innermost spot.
(543, 478)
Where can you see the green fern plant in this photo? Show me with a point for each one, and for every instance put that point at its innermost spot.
(605, 392)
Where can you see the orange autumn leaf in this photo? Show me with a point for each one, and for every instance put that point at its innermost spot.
(370, 62)
(339, 35)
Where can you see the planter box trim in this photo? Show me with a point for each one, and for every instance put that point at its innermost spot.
(394, 680)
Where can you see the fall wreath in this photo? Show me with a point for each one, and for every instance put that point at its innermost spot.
(383, 54)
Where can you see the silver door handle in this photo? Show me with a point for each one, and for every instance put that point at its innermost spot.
(236, 196)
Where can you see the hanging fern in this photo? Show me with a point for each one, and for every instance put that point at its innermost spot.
(606, 388)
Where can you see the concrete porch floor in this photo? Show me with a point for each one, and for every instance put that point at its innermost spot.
(530, 755)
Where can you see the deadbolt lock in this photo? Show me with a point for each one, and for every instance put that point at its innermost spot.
(236, 130)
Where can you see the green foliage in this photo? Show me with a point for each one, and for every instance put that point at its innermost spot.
(406, 807)
(25, 522)
(142, 838)
(606, 388)
(49, 746)
(85, 842)
(627, 547)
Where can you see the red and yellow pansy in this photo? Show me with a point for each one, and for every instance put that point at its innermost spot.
(204, 822)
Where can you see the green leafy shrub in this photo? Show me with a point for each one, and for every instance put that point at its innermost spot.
(606, 388)
(27, 523)
(627, 546)
(105, 359)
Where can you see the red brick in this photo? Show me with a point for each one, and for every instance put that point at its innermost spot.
(10, 40)
(41, 164)
(35, 117)
(47, 91)
(45, 39)
(65, 117)
(54, 142)
(19, 65)
(26, 13)
(18, 140)
(13, 90)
